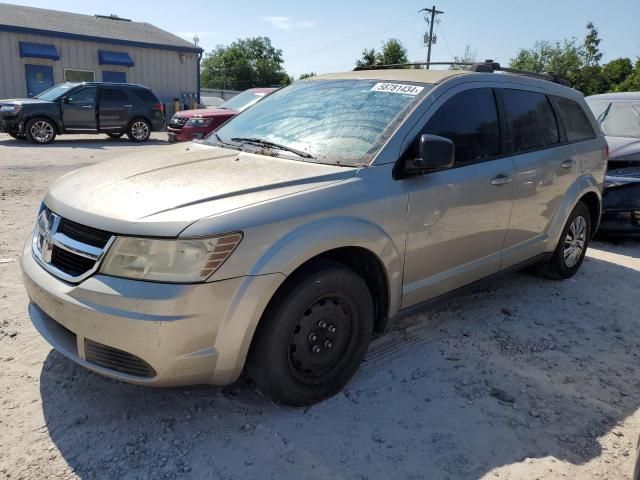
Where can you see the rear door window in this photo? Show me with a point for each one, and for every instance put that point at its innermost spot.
(576, 123)
(113, 95)
(145, 95)
(531, 120)
(470, 120)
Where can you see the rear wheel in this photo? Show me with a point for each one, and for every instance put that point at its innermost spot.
(313, 336)
(572, 246)
(139, 130)
(115, 134)
(40, 130)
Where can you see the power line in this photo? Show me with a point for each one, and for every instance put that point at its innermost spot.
(429, 40)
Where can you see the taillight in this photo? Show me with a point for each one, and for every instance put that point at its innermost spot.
(159, 106)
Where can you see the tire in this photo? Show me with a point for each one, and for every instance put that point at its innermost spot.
(139, 130)
(18, 136)
(115, 134)
(40, 130)
(568, 255)
(325, 310)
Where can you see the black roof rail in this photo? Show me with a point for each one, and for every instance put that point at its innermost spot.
(488, 66)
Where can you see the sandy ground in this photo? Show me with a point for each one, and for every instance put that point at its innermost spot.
(525, 378)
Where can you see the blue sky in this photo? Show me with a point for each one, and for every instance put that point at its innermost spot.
(329, 35)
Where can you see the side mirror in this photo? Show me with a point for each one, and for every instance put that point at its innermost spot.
(65, 99)
(435, 153)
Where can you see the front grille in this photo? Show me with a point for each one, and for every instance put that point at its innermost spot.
(67, 249)
(90, 236)
(178, 122)
(70, 263)
(118, 360)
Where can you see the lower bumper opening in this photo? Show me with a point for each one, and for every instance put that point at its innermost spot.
(118, 360)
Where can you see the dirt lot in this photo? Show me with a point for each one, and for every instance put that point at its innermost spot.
(524, 379)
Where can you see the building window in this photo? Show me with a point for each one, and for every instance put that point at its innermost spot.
(71, 75)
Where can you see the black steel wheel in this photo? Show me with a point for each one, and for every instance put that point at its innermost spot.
(313, 335)
(18, 136)
(115, 134)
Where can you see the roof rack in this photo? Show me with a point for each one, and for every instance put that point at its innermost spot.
(488, 66)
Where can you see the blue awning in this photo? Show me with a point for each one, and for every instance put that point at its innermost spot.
(38, 50)
(114, 58)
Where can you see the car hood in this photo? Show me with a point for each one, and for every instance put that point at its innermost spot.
(624, 149)
(161, 193)
(208, 112)
(22, 101)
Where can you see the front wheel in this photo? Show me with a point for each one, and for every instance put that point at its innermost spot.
(572, 246)
(313, 336)
(40, 130)
(139, 130)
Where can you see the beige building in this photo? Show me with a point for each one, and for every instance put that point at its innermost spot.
(40, 48)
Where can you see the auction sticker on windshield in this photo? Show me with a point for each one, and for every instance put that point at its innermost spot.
(397, 88)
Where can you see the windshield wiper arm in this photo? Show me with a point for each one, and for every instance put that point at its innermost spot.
(604, 114)
(268, 144)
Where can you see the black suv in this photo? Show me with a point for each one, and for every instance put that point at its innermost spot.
(111, 108)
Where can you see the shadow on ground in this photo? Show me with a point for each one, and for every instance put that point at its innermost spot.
(523, 368)
(100, 142)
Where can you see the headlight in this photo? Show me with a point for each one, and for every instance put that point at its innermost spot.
(199, 122)
(174, 261)
(10, 108)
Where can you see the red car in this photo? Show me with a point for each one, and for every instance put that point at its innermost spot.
(188, 125)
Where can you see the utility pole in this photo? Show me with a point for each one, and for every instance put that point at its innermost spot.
(430, 21)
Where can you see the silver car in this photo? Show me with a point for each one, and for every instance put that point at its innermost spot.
(302, 226)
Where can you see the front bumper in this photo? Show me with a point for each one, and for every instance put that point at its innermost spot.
(187, 334)
(619, 223)
(186, 133)
(10, 124)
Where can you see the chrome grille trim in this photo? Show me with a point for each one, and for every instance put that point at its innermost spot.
(46, 236)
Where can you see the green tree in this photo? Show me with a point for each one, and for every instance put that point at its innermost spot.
(246, 63)
(393, 53)
(632, 82)
(468, 56)
(616, 71)
(368, 58)
(591, 53)
(307, 75)
(563, 58)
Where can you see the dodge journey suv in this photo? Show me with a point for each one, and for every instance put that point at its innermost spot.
(111, 108)
(299, 228)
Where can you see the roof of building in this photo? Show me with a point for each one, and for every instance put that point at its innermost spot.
(31, 20)
(401, 75)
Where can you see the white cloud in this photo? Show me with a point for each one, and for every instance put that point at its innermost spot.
(287, 23)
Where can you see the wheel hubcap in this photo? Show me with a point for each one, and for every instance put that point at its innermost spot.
(42, 131)
(320, 338)
(575, 241)
(140, 130)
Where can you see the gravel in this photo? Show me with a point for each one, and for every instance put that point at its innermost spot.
(521, 378)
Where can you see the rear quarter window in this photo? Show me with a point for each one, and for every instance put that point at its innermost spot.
(531, 120)
(145, 95)
(574, 119)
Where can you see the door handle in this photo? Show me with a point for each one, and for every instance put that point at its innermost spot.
(128, 106)
(87, 106)
(568, 163)
(501, 180)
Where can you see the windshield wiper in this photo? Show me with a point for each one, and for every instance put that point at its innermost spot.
(601, 118)
(268, 144)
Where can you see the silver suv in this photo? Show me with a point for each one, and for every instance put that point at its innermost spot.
(299, 228)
